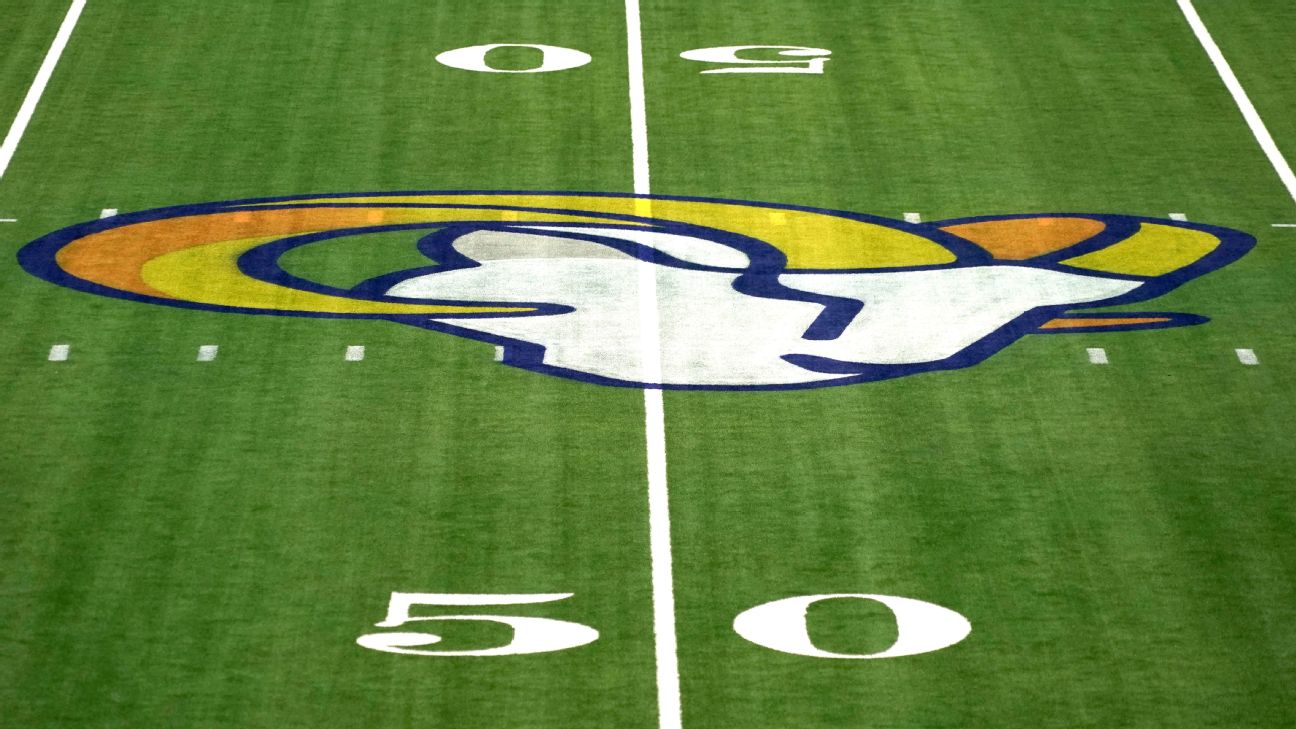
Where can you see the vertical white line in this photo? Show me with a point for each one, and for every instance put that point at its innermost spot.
(638, 104)
(1240, 97)
(28, 108)
(659, 533)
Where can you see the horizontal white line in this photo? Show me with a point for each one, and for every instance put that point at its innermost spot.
(1284, 225)
(8, 220)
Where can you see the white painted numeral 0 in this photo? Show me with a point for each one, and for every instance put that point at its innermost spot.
(553, 58)
(797, 59)
(922, 626)
(530, 635)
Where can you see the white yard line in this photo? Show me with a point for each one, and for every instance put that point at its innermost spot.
(1240, 97)
(659, 531)
(28, 108)
(354, 353)
(1097, 355)
(1284, 225)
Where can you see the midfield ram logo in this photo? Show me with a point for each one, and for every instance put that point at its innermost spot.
(651, 291)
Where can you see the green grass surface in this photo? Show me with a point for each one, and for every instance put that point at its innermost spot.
(199, 545)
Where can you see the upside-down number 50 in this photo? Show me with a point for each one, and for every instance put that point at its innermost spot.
(727, 59)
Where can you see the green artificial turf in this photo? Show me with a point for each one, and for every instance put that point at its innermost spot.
(199, 545)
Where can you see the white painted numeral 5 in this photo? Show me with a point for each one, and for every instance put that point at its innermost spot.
(801, 59)
(923, 627)
(530, 635)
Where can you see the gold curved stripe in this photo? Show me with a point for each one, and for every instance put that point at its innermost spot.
(1154, 250)
(209, 274)
(810, 240)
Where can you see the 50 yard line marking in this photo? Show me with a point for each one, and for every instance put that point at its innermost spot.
(28, 108)
(659, 532)
(1240, 97)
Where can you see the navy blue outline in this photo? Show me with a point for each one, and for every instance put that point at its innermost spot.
(760, 279)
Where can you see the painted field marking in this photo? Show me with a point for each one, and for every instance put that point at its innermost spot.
(1097, 355)
(1247, 356)
(1284, 225)
(778, 218)
(107, 213)
(912, 218)
(1253, 120)
(60, 352)
(8, 220)
(28, 108)
(659, 531)
(1178, 216)
(355, 353)
(499, 354)
(207, 352)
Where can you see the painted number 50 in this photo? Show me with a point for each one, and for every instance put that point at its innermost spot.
(922, 627)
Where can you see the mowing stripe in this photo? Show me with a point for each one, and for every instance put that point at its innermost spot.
(1240, 97)
(1097, 355)
(659, 532)
(28, 108)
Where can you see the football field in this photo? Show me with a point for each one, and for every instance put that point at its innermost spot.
(558, 364)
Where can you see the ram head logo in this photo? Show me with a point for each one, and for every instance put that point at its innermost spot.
(652, 291)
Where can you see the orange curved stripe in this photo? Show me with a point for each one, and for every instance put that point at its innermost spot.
(1021, 238)
(116, 257)
(1077, 323)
